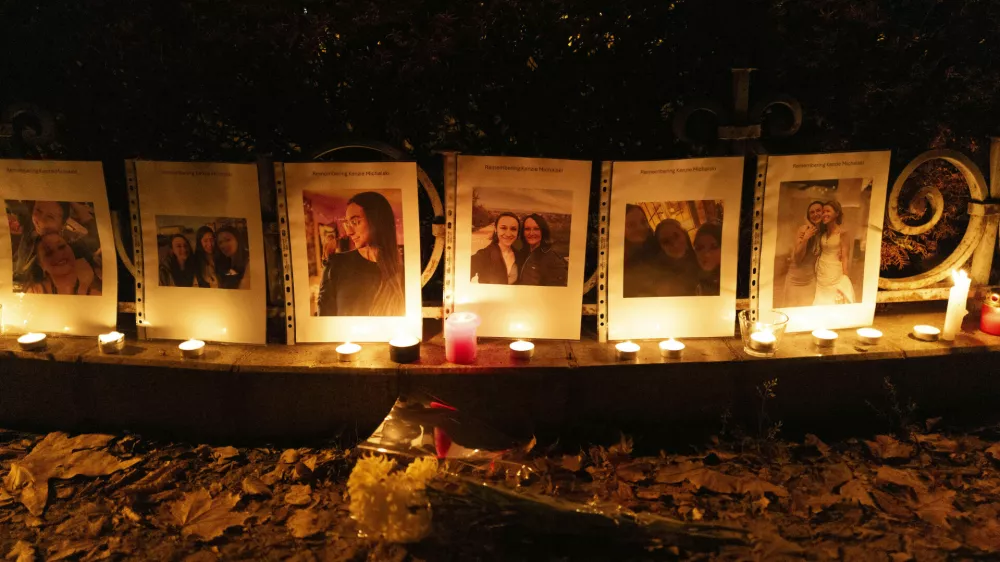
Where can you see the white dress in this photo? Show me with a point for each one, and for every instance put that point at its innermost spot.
(832, 286)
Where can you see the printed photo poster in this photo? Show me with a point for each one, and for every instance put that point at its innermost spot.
(822, 238)
(521, 226)
(355, 243)
(203, 257)
(674, 239)
(58, 268)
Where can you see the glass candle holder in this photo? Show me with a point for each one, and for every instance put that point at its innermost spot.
(761, 337)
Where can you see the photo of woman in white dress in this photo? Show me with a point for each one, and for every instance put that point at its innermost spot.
(833, 284)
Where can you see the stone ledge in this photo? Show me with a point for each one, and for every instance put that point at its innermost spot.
(286, 391)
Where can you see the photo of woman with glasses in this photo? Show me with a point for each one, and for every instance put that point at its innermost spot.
(363, 273)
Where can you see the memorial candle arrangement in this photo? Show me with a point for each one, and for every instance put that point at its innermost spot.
(460, 337)
(958, 296)
(989, 319)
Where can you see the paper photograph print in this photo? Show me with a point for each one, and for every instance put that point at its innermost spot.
(672, 248)
(55, 247)
(354, 247)
(203, 252)
(822, 236)
(820, 254)
(673, 237)
(521, 236)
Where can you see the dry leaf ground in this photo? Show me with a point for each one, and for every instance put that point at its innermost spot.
(922, 496)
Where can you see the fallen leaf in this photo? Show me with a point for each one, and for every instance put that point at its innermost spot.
(904, 478)
(813, 441)
(225, 453)
(935, 507)
(632, 472)
(205, 517)
(985, 536)
(758, 487)
(835, 475)
(819, 502)
(252, 486)
(289, 456)
(676, 473)
(59, 456)
(886, 448)
(900, 557)
(696, 514)
(307, 522)
(22, 552)
(891, 505)
(855, 492)
(299, 495)
(937, 443)
(572, 463)
(716, 481)
(68, 548)
(994, 452)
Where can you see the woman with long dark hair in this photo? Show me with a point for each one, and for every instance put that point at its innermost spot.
(833, 285)
(368, 280)
(679, 264)
(232, 259)
(205, 257)
(800, 282)
(178, 268)
(543, 266)
(708, 251)
(641, 255)
(500, 262)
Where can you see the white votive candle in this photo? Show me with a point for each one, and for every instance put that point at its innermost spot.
(869, 336)
(926, 333)
(192, 349)
(958, 297)
(824, 338)
(32, 341)
(627, 350)
(521, 350)
(347, 352)
(763, 342)
(112, 342)
(671, 349)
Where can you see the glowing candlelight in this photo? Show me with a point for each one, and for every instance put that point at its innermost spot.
(869, 336)
(671, 349)
(958, 297)
(763, 342)
(824, 338)
(627, 350)
(348, 352)
(112, 342)
(404, 349)
(926, 333)
(521, 350)
(32, 341)
(192, 349)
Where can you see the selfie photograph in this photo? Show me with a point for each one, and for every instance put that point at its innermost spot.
(202, 252)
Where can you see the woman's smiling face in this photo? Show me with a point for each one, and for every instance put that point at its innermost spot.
(708, 252)
(636, 227)
(55, 256)
(815, 213)
(506, 231)
(672, 241)
(179, 248)
(829, 214)
(532, 233)
(228, 244)
(208, 242)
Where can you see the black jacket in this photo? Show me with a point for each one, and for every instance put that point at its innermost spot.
(544, 267)
(489, 265)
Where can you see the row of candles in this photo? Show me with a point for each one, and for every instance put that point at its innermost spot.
(760, 337)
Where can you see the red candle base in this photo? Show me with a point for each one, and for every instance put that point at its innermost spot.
(989, 321)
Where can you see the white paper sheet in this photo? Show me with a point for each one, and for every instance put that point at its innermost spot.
(857, 181)
(694, 193)
(209, 194)
(557, 189)
(82, 184)
(327, 188)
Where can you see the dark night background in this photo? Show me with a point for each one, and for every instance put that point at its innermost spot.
(237, 81)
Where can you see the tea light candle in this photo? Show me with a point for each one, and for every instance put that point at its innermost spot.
(405, 349)
(112, 342)
(671, 349)
(763, 342)
(958, 298)
(347, 352)
(521, 350)
(627, 350)
(869, 336)
(926, 333)
(32, 341)
(460, 337)
(824, 338)
(192, 349)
